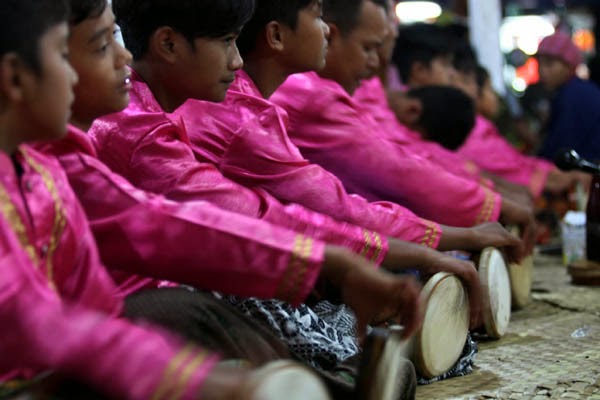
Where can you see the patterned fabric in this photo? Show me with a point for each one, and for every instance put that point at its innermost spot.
(464, 365)
(322, 337)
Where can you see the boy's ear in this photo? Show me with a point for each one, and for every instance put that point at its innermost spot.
(275, 36)
(13, 77)
(164, 43)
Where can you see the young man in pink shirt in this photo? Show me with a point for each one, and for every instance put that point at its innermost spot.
(332, 129)
(245, 136)
(134, 228)
(59, 309)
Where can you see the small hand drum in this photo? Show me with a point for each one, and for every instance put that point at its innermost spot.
(386, 372)
(521, 277)
(495, 282)
(439, 343)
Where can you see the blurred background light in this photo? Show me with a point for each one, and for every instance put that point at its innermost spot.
(418, 11)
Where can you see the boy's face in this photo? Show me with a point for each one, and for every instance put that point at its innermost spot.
(439, 72)
(354, 57)
(487, 102)
(47, 96)
(553, 72)
(307, 46)
(209, 69)
(101, 63)
(467, 82)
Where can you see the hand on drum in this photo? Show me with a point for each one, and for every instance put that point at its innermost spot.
(492, 234)
(522, 216)
(467, 273)
(381, 296)
(372, 293)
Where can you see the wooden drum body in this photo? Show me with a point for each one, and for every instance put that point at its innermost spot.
(495, 282)
(521, 278)
(386, 372)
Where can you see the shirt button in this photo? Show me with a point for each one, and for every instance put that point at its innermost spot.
(44, 250)
(29, 186)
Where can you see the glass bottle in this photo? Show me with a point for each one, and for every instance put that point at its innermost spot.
(593, 221)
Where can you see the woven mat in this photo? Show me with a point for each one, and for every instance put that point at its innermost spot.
(550, 351)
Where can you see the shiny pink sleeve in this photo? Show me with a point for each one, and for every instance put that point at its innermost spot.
(193, 242)
(331, 132)
(40, 332)
(493, 153)
(260, 154)
(163, 162)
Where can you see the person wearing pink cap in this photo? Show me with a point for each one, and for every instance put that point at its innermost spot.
(575, 112)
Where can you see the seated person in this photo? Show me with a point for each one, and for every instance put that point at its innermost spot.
(575, 106)
(333, 130)
(139, 246)
(443, 114)
(486, 146)
(59, 309)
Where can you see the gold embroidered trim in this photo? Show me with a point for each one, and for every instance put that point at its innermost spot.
(15, 221)
(167, 380)
(434, 233)
(60, 220)
(186, 375)
(283, 290)
(427, 236)
(367, 249)
(378, 246)
(488, 207)
(295, 273)
(302, 267)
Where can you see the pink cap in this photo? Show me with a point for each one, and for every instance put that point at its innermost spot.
(561, 46)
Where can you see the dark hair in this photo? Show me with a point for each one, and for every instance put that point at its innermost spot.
(464, 57)
(346, 13)
(283, 11)
(447, 116)
(482, 76)
(24, 22)
(84, 9)
(191, 18)
(419, 42)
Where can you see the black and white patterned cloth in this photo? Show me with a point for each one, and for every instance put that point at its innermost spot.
(325, 335)
(464, 365)
(322, 336)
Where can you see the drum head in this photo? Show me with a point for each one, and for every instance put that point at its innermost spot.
(495, 282)
(445, 326)
(521, 276)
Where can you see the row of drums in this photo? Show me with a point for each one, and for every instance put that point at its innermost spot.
(438, 345)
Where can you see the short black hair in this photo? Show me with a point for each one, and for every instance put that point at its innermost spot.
(482, 76)
(84, 9)
(191, 18)
(283, 11)
(346, 13)
(24, 22)
(447, 115)
(419, 42)
(464, 57)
